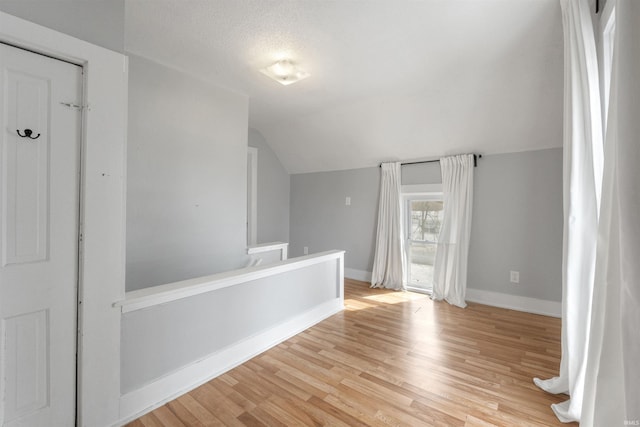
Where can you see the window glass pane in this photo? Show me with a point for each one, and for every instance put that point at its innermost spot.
(425, 219)
(422, 256)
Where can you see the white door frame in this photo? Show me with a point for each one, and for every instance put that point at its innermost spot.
(252, 196)
(102, 211)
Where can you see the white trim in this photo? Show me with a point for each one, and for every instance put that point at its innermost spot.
(352, 273)
(495, 299)
(421, 189)
(419, 290)
(145, 399)
(252, 195)
(102, 218)
(340, 283)
(268, 247)
(148, 297)
(515, 302)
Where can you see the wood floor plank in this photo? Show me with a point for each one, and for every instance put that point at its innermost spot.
(198, 411)
(150, 420)
(390, 358)
(167, 418)
(183, 414)
(223, 409)
(249, 420)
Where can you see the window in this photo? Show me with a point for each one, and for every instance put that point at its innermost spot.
(423, 217)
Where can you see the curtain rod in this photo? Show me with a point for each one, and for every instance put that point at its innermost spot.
(475, 161)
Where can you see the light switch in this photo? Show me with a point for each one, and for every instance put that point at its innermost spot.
(347, 201)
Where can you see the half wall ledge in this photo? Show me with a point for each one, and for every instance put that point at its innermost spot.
(148, 297)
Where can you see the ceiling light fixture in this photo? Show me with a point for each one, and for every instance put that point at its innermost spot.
(285, 72)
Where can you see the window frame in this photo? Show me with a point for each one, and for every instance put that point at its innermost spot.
(409, 193)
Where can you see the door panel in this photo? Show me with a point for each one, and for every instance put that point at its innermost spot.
(27, 372)
(26, 171)
(39, 205)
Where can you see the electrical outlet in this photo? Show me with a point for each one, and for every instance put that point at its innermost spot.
(305, 250)
(515, 277)
(347, 201)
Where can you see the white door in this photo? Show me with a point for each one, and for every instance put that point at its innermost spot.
(39, 180)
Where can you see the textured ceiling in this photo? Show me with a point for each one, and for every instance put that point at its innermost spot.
(390, 79)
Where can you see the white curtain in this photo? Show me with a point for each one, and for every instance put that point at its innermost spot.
(612, 384)
(582, 180)
(450, 265)
(388, 263)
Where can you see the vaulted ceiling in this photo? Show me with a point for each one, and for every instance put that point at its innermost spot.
(390, 79)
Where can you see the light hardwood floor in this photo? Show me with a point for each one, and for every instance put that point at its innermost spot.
(391, 358)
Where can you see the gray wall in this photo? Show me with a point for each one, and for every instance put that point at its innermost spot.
(100, 22)
(273, 193)
(321, 221)
(186, 183)
(421, 173)
(517, 218)
(161, 339)
(517, 224)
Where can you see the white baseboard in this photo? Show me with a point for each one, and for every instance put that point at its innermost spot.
(515, 302)
(145, 399)
(354, 274)
(495, 299)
